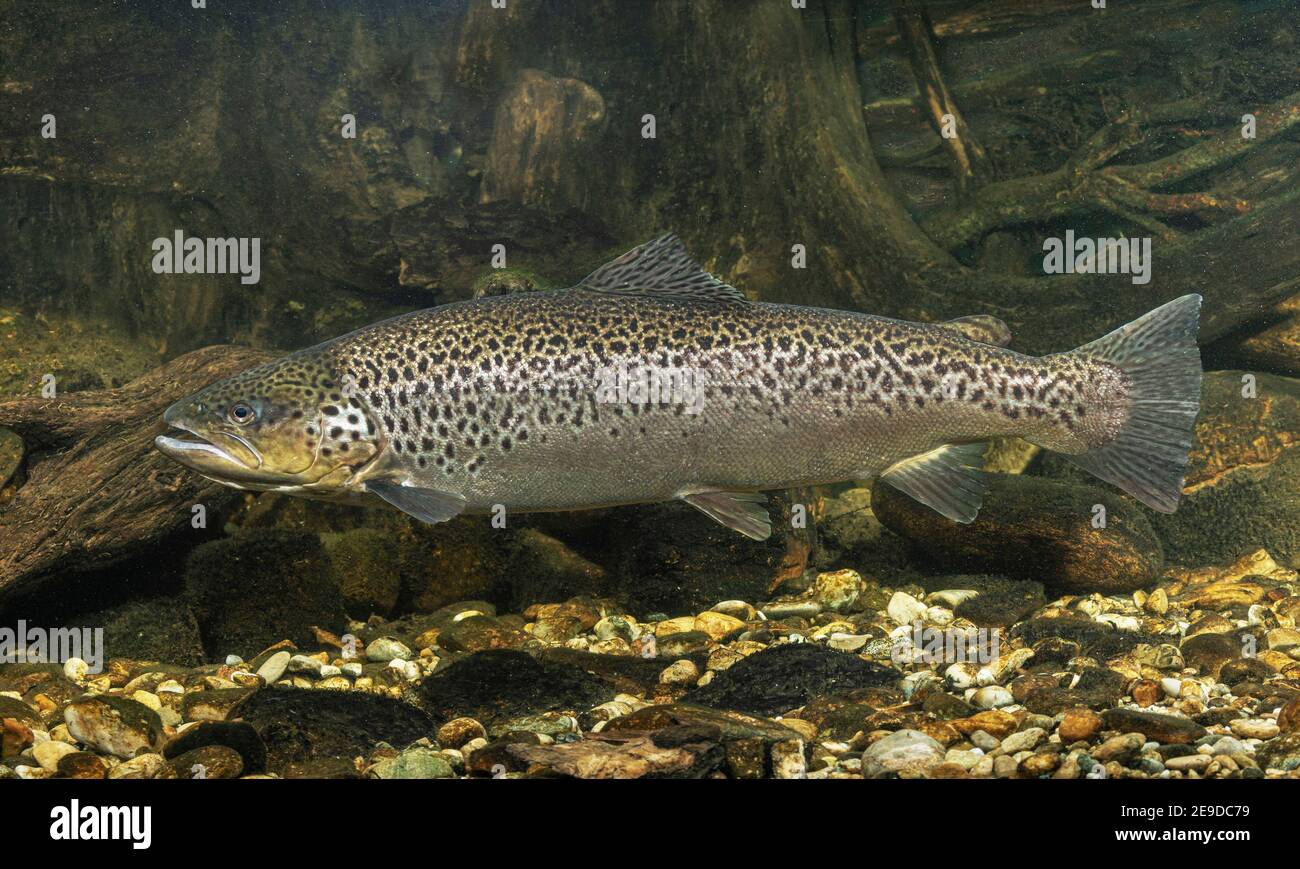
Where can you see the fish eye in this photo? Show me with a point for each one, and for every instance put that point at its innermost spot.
(242, 413)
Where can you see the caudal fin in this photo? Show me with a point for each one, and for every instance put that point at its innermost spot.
(1158, 352)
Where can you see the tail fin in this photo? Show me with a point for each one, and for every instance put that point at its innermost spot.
(1158, 352)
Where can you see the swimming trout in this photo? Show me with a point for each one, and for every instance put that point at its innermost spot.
(651, 380)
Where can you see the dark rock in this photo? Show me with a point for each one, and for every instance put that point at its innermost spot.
(1282, 752)
(1096, 639)
(238, 735)
(453, 561)
(506, 684)
(1153, 725)
(669, 558)
(1096, 689)
(684, 644)
(258, 587)
(784, 677)
(1218, 716)
(1243, 670)
(630, 674)
(299, 725)
(945, 706)
(1001, 602)
(1035, 529)
(543, 569)
(82, 765)
(1209, 652)
(155, 629)
(1243, 475)
(479, 634)
(207, 762)
(366, 563)
(496, 758)
(212, 705)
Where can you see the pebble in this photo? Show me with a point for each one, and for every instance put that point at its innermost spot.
(304, 664)
(905, 609)
(142, 766)
(114, 725)
(841, 642)
(1196, 762)
(717, 625)
(1079, 725)
(615, 627)
(1025, 740)
(992, 697)
(839, 590)
(903, 751)
(385, 649)
(985, 741)
(414, 763)
(680, 673)
(48, 754)
(965, 758)
(457, 732)
(1254, 728)
(76, 669)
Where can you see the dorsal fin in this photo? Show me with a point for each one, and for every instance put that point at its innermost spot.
(661, 268)
(980, 327)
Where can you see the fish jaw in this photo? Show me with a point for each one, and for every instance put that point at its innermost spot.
(236, 459)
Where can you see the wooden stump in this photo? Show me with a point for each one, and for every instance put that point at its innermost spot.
(96, 490)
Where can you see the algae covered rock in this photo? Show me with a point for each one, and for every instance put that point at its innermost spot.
(366, 563)
(1243, 478)
(784, 677)
(152, 629)
(502, 683)
(114, 725)
(258, 587)
(298, 726)
(1036, 529)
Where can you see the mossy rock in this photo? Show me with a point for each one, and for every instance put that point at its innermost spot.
(259, 587)
(1242, 489)
(1035, 529)
(367, 566)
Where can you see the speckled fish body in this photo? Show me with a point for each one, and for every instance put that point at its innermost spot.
(498, 402)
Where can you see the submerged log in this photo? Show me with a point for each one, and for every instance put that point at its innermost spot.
(96, 491)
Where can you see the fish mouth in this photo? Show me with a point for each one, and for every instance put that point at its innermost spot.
(232, 459)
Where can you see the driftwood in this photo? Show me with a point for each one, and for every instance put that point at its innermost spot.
(96, 491)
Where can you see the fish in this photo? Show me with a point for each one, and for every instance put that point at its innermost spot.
(651, 380)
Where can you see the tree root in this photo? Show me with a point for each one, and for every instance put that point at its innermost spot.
(1087, 184)
(96, 490)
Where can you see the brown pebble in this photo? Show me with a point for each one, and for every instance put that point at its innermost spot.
(1146, 692)
(1288, 720)
(1079, 725)
(458, 731)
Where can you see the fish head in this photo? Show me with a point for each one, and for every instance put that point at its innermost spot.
(288, 425)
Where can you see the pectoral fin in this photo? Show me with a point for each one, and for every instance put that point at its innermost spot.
(427, 505)
(949, 480)
(745, 512)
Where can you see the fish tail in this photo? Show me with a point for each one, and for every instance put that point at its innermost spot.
(1158, 354)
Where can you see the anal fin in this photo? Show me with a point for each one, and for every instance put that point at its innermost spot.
(427, 505)
(745, 512)
(949, 480)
